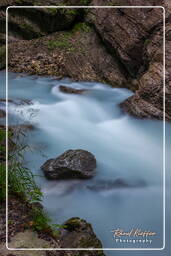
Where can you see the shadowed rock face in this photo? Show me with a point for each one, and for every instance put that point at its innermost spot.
(124, 30)
(28, 23)
(148, 99)
(73, 164)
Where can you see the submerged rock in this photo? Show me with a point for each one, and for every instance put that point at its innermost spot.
(72, 164)
(79, 234)
(67, 89)
(16, 101)
(118, 183)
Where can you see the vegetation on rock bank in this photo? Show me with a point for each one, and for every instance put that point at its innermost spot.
(25, 202)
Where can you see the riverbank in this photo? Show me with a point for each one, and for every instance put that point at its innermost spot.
(28, 224)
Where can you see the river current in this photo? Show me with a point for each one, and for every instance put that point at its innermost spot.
(125, 147)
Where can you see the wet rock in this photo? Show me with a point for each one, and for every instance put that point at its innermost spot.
(118, 183)
(2, 113)
(79, 234)
(124, 30)
(24, 102)
(17, 101)
(4, 100)
(67, 89)
(72, 164)
(148, 99)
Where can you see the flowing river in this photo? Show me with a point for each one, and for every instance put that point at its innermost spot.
(125, 147)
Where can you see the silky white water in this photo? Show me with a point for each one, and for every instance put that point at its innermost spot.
(124, 147)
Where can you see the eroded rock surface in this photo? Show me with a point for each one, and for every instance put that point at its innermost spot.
(72, 164)
(124, 30)
(148, 100)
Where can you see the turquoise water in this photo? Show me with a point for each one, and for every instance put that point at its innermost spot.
(124, 147)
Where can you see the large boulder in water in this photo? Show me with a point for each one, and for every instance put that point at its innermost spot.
(72, 164)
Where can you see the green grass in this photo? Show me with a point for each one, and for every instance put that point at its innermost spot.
(64, 11)
(53, 11)
(21, 182)
(20, 179)
(58, 44)
(82, 26)
(71, 11)
(27, 27)
(63, 42)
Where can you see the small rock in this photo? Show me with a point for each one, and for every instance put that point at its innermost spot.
(4, 100)
(72, 164)
(67, 89)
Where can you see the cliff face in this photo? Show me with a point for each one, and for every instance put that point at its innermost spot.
(120, 46)
(148, 99)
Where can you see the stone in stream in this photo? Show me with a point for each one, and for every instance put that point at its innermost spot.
(16, 101)
(72, 164)
(67, 89)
